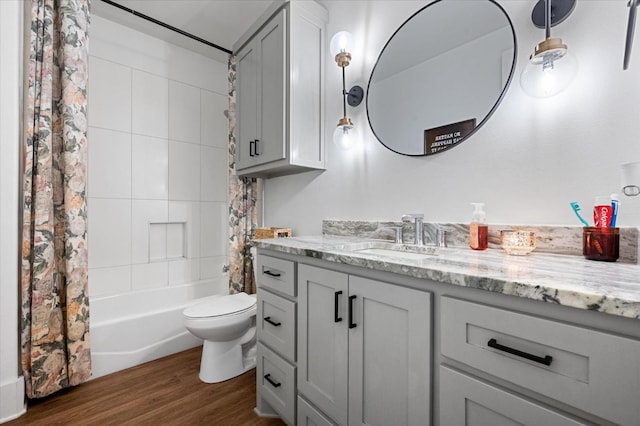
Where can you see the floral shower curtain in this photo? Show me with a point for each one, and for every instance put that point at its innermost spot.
(55, 304)
(242, 208)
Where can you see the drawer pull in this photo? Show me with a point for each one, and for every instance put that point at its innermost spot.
(270, 380)
(255, 151)
(251, 148)
(351, 323)
(271, 274)
(270, 321)
(336, 296)
(546, 360)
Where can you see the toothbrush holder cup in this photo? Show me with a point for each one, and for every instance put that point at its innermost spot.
(601, 243)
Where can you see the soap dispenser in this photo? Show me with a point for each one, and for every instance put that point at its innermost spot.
(478, 229)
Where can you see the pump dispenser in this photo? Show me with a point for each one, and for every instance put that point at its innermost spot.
(478, 229)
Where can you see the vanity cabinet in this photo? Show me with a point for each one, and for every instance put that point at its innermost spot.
(276, 333)
(280, 92)
(596, 372)
(364, 348)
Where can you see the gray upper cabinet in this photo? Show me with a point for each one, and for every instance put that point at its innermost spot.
(280, 92)
(364, 351)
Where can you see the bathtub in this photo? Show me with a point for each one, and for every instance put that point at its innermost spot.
(133, 328)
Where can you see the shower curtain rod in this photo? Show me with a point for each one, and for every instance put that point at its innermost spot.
(167, 26)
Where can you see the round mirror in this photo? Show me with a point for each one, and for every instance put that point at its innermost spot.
(441, 75)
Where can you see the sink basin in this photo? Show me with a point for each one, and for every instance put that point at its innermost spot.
(398, 251)
(395, 253)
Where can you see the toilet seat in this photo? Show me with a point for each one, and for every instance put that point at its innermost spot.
(222, 306)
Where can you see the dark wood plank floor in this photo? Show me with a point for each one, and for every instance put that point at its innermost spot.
(166, 391)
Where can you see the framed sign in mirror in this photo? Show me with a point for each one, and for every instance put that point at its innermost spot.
(441, 75)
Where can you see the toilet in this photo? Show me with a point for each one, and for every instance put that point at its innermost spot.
(227, 326)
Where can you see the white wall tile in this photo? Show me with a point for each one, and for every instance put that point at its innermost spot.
(109, 95)
(213, 227)
(184, 112)
(109, 163)
(150, 105)
(184, 271)
(211, 268)
(143, 213)
(214, 124)
(184, 171)
(109, 281)
(214, 174)
(189, 212)
(109, 233)
(150, 275)
(150, 167)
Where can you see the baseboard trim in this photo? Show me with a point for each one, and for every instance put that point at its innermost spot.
(13, 403)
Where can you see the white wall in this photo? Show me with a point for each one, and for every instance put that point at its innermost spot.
(527, 162)
(12, 402)
(157, 163)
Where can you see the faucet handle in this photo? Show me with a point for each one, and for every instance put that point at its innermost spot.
(409, 217)
(398, 233)
(441, 235)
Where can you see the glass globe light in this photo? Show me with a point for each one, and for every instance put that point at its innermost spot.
(340, 42)
(550, 70)
(344, 136)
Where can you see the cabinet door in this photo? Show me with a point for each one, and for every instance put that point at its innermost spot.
(389, 354)
(272, 74)
(322, 340)
(247, 98)
(467, 401)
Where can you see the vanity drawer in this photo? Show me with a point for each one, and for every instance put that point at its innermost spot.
(276, 381)
(593, 371)
(467, 401)
(276, 274)
(276, 323)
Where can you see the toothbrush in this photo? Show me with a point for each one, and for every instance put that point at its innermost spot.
(614, 209)
(576, 208)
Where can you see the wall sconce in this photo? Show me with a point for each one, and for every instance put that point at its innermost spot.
(551, 67)
(339, 46)
(631, 179)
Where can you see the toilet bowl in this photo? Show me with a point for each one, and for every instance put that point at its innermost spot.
(226, 324)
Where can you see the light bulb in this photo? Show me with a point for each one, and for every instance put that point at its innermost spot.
(340, 42)
(549, 73)
(344, 137)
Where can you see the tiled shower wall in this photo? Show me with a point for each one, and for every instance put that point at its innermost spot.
(157, 163)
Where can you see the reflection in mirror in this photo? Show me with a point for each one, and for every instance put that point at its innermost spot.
(441, 75)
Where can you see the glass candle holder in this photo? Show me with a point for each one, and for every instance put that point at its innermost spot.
(518, 243)
(601, 243)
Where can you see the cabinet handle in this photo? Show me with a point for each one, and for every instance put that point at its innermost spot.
(351, 323)
(255, 147)
(271, 274)
(546, 360)
(270, 380)
(252, 147)
(273, 323)
(336, 296)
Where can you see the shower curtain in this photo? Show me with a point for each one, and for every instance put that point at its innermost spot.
(242, 208)
(54, 298)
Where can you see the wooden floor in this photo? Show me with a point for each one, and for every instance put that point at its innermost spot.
(166, 391)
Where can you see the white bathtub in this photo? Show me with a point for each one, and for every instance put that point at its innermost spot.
(133, 328)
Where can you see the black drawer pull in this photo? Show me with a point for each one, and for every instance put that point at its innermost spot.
(271, 274)
(546, 360)
(336, 296)
(252, 147)
(255, 150)
(351, 323)
(270, 380)
(270, 321)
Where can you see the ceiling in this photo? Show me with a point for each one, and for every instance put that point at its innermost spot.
(221, 22)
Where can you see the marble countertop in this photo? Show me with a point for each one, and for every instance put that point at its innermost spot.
(608, 287)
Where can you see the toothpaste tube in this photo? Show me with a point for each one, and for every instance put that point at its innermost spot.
(602, 212)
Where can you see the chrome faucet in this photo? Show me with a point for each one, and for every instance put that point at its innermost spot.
(418, 231)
